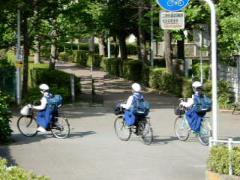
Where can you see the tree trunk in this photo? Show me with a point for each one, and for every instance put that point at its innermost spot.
(115, 44)
(141, 37)
(26, 46)
(123, 46)
(53, 57)
(102, 46)
(168, 51)
(37, 51)
(180, 53)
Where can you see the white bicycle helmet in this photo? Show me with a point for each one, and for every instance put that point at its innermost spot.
(197, 84)
(44, 87)
(136, 87)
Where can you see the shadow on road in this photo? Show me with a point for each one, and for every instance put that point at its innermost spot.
(163, 140)
(82, 134)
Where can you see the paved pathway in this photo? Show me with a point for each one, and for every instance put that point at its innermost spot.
(94, 153)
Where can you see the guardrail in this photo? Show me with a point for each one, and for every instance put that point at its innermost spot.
(230, 144)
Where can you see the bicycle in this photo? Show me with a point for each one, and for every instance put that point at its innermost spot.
(175, 2)
(59, 127)
(141, 129)
(183, 130)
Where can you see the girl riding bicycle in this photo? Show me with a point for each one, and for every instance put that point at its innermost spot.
(46, 113)
(197, 107)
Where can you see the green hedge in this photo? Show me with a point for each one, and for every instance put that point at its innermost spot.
(112, 66)
(17, 173)
(219, 160)
(80, 57)
(133, 70)
(7, 74)
(161, 80)
(5, 115)
(94, 60)
(66, 56)
(58, 81)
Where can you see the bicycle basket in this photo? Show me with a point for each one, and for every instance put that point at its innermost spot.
(25, 111)
(179, 111)
(118, 109)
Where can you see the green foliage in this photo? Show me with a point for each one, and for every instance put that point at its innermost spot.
(187, 90)
(133, 70)
(7, 74)
(132, 49)
(59, 82)
(81, 57)
(94, 60)
(161, 80)
(15, 172)
(226, 96)
(66, 56)
(112, 66)
(219, 160)
(197, 71)
(5, 115)
(11, 57)
(225, 93)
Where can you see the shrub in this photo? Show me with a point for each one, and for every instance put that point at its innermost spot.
(66, 56)
(218, 160)
(112, 66)
(163, 81)
(11, 57)
(133, 70)
(197, 71)
(5, 115)
(80, 57)
(18, 173)
(225, 94)
(94, 60)
(7, 74)
(132, 49)
(187, 90)
(59, 82)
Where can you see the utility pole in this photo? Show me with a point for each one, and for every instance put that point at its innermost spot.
(19, 60)
(151, 55)
(109, 43)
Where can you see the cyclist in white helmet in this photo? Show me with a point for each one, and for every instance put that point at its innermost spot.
(201, 104)
(135, 107)
(44, 116)
(136, 90)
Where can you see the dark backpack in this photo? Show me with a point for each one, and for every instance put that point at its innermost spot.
(140, 107)
(55, 100)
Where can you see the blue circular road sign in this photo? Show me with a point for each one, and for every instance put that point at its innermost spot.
(173, 5)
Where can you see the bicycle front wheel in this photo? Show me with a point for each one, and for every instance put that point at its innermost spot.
(27, 126)
(147, 132)
(61, 128)
(122, 131)
(205, 133)
(181, 128)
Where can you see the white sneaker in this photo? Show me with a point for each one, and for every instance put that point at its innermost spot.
(41, 129)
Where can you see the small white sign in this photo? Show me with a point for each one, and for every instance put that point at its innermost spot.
(172, 20)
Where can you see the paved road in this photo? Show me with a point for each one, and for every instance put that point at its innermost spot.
(94, 153)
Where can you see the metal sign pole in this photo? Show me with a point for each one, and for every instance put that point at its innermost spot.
(214, 68)
(18, 71)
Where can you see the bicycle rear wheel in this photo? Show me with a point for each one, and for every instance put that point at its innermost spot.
(181, 128)
(146, 132)
(205, 133)
(61, 128)
(27, 126)
(122, 131)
